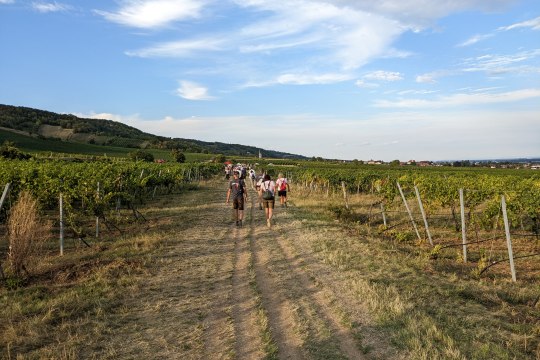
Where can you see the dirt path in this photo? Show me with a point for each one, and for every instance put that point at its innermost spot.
(217, 291)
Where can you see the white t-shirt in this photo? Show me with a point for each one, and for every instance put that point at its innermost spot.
(268, 185)
(281, 181)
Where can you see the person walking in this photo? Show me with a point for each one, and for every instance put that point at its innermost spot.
(237, 190)
(258, 189)
(283, 186)
(267, 192)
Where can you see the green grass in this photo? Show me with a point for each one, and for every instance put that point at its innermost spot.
(39, 146)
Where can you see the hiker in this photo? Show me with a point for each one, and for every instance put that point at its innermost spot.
(267, 192)
(260, 180)
(252, 176)
(238, 192)
(282, 186)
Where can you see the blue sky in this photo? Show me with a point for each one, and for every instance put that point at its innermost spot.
(346, 79)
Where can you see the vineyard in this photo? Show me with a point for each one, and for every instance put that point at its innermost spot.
(466, 214)
(374, 263)
(94, 192)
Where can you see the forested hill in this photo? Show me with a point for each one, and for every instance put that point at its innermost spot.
(46, 124)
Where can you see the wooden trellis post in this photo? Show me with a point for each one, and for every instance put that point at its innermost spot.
(344, 187)
(4, 194)
(508, 240)
(97, 217)
(423, 214)
(463, 229)
(383, 215)
(409, 211)
(61, 225)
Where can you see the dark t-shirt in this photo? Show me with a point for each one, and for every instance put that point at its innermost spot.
(237, 187)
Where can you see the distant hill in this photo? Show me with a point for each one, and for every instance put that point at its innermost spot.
(70, 128)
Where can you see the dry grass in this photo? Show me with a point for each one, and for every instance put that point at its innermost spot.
(167, 292)
(26, 234)
(430, 308)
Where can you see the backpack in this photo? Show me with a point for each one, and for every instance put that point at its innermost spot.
(283, 185)
(267, 194)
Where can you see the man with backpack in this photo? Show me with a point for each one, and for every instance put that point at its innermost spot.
(282, 186)
(238, 192)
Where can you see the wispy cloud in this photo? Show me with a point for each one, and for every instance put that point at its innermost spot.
(384, 76)
(497, 64)
(148, 14)
(475, 39)
(179, 49)
(49, 7)
(533, 24)
(301, 79)
(192, 91)
(374, 78)
(7, 1)
(461, 100)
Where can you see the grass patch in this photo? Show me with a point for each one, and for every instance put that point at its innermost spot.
(425, 301)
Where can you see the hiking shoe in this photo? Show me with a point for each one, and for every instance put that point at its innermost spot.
(260, 207)
(239, 222)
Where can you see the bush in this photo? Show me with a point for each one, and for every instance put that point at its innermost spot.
(178, 156)
(141, 155)
(9, 151)
(26, 234)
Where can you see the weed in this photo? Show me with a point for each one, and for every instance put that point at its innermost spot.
(26, 234)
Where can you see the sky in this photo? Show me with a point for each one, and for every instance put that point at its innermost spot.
(338, 79)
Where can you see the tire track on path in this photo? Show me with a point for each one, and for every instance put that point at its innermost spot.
(279, 310)
(319, 298)
(247, 330)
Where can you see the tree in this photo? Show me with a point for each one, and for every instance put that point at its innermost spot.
(141, 155)
(394, 163)
(9, 151)
(178, 156)
(220, 159)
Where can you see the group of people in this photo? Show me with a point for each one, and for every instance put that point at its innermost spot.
(266, 190)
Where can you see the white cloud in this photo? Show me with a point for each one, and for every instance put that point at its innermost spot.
(533, 24)
(309, 79)
(178, 49)
(384, 76)
(148, 14)
(461, 100)
(421, 12)
(416, 135)
(49, 7)
(317, 35)
(426, 78)
(369, 80)
(300, 79)
(497, 64)
(367, 85)
(7, 1)
(473, 40)
(192, 91)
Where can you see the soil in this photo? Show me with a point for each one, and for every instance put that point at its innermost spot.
(219, 291)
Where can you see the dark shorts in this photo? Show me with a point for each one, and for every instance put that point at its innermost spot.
(238, 203)
(282, 193)
(268, 204)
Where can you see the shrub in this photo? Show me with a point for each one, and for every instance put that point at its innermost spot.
(26, 234)
(9, 151)
(141, 155)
